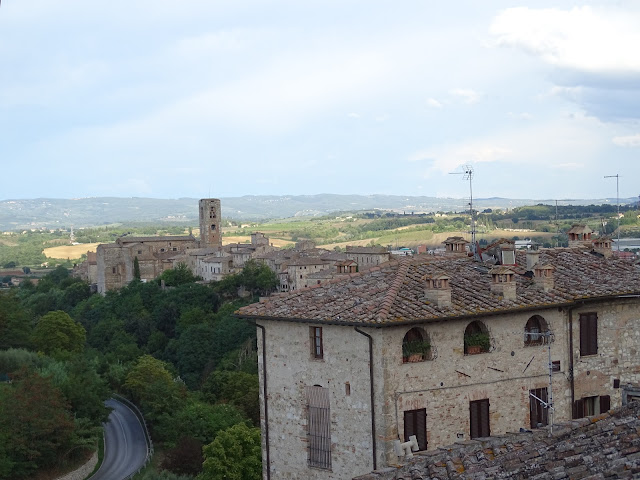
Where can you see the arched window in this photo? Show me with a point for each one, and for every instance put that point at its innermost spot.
(416, 346)
(534, 331)
(476, 339)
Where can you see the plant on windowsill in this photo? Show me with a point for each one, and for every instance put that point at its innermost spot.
(476, 343)
(416, 351)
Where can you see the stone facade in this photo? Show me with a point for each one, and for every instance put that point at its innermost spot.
(319, 339)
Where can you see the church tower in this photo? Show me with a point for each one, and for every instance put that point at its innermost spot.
(210, 218)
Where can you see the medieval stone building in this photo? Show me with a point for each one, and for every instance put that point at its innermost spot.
(443, 348)
(115, 261)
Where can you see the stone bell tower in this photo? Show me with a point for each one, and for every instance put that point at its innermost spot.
(210, 218)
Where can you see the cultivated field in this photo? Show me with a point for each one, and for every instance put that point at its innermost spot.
(71, 252)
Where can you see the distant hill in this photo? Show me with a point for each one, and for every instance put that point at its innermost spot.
(84, 212)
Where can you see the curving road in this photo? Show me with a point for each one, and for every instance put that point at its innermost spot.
(125, 446)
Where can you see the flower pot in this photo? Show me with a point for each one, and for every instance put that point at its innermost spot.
(474, 349)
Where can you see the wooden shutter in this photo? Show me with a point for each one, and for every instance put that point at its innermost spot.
(588, 333)
(539, 414)
(605, 403)
(415, 423)
(479, 418)
(578, 409)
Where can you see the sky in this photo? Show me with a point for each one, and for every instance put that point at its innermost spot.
(204, 98)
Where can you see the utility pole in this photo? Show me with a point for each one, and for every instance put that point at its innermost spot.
(617, 177)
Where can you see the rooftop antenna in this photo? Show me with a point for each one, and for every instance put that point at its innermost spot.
(467, 171)
(617, 177)
(548, 336)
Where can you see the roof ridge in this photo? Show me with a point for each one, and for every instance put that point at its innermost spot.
(387, 302)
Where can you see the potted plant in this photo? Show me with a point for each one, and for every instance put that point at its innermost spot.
(415, 351)
(476, 343)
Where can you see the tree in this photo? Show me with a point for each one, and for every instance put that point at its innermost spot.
(35, 419)
(235, 454)
(136, 268)
(179, 275)
(15, 326)
(58, 335)
(195, 351)
(186, 458)
(236, 388)
(152, 386)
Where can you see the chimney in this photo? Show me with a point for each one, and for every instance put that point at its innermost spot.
(503, 282)
(456, 246)
(602, 245)
(437, 289)
(543, 276)
(580, 236)
(533, 257)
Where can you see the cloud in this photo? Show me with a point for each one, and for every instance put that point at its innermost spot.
(628, 141)
(582, 38)
(353, 115)
(467, 95)
(591, 53)
(433, 103)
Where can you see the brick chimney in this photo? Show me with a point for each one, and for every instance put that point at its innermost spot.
(437, 289)
(533, 257)
(580, 236)
(455, 246)
(543, 276)
(602, 245)
(503, 282)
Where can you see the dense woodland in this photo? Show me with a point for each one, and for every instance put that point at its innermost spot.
(177, 352)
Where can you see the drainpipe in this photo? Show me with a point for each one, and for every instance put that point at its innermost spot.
(264, 396)
(572, 381)
(373, 415)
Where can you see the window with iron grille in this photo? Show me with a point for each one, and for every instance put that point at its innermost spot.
(479, 418)
(319, 427)
(588, 333)
(317, 348)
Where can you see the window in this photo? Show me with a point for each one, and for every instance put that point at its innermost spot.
(319, 427)
(213, 226)
(317, 349)
(534, 331)
(415, 423)
(555, 366)
(508, 257)
(416, 346)
(476, 339)
(139, 252)
(539, 412)
(587, 406)
(588, 333)
(479, 418)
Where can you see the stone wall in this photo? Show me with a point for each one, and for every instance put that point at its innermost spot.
(445, 385)
(82, 472)
(289, 370)
(603, 446)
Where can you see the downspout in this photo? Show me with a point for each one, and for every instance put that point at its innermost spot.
(373, 414)
(264, 396)
(571, 375)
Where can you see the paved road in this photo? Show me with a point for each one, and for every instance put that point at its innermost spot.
(125, 446)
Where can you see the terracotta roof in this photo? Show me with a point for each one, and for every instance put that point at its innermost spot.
(307, 261)
(393, 292)
(599, 447)
(166, 238)
(580, 228)
(366, 250)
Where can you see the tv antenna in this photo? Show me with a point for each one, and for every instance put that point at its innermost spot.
(467, 172)
(549, 337)
(617, 177)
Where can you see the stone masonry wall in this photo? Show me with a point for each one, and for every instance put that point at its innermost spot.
(445, 385)
(289, 370)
